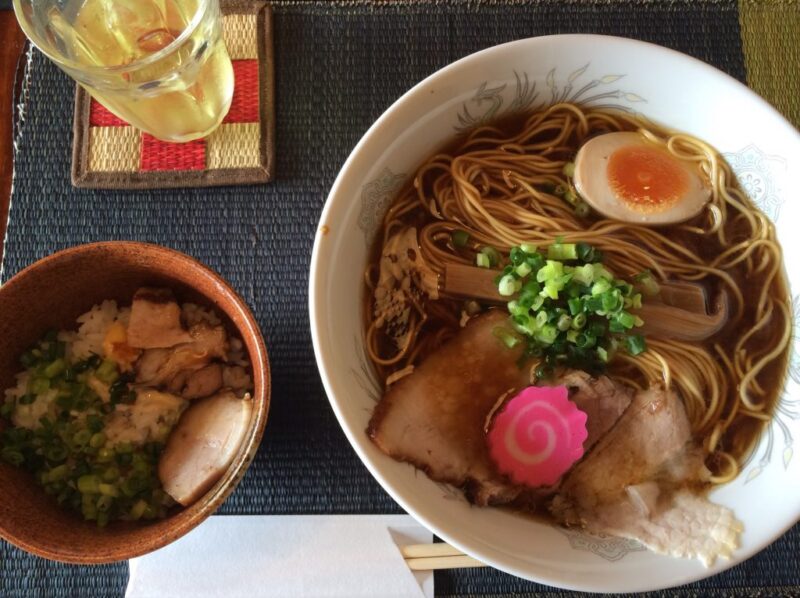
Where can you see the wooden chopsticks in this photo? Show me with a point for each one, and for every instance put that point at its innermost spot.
(426, 557)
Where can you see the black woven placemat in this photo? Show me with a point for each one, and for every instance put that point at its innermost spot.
(338, 66)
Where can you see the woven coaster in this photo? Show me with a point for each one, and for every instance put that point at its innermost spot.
(108, 153)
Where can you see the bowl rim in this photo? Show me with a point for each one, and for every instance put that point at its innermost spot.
(317, 304)
(262, 377)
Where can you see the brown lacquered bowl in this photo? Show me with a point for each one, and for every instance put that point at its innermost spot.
(51, 294)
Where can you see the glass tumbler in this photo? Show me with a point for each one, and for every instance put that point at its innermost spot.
(160, 65)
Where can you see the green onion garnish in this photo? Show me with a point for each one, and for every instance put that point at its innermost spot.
(505, 335)
(506, 286)
(582, 209)
(493, 255)
(635, 344)
(562, 251)
(648, 283)
(567, 306)
(460, 238)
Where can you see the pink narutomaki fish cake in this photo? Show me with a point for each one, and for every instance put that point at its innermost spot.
(537, 436)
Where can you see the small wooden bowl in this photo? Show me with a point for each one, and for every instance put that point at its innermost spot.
(51, 294)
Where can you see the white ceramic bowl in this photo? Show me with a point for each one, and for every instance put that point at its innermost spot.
(668, 87)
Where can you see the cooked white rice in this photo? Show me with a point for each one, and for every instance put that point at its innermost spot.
(92, 329)
(88, 340)
(192, 314)
(236, 378)
(236, 352)
(80, 344)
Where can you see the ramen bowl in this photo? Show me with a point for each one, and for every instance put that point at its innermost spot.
(50, 294)
(686, 95)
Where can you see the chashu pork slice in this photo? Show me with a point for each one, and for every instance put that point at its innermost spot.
(203, 445)
(601, 399)
(164, 366)
(155, 320)
(636, 484)
(434, 418)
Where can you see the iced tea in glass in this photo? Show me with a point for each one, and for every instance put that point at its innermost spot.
(160, 65)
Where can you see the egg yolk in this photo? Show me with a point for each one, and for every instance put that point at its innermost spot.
(647, 179)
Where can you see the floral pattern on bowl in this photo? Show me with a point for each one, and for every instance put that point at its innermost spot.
(493, 102)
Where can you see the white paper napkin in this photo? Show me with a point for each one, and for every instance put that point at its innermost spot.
(286, 555)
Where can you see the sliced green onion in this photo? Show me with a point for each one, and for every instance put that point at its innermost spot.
(508, 339)
(517, 309)
(138, 509)
(572, 315)
(583, 274)
(648, 283)
(82, 437)
(635, 344)
(547, 334)
(104, 502)
(39, 385)
(493, 255)
(587, 253)
(601, 286)
(575, 305)
(89, 484)
(626, 319)
(523, 269)
(616, 327)
(89, 510)
(611, 302)
(58, 473)
(56, 453)
(482, 261)
(109, 490)
(94, 423)
(569, 169)
(107, 372)
(582, 209)
(524, 325)
(110, 474)
(55, 368)
(460, 238)
(550, 271)
(562, 251)
(579, 321)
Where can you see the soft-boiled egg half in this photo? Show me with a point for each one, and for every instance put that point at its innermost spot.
(625, 177)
